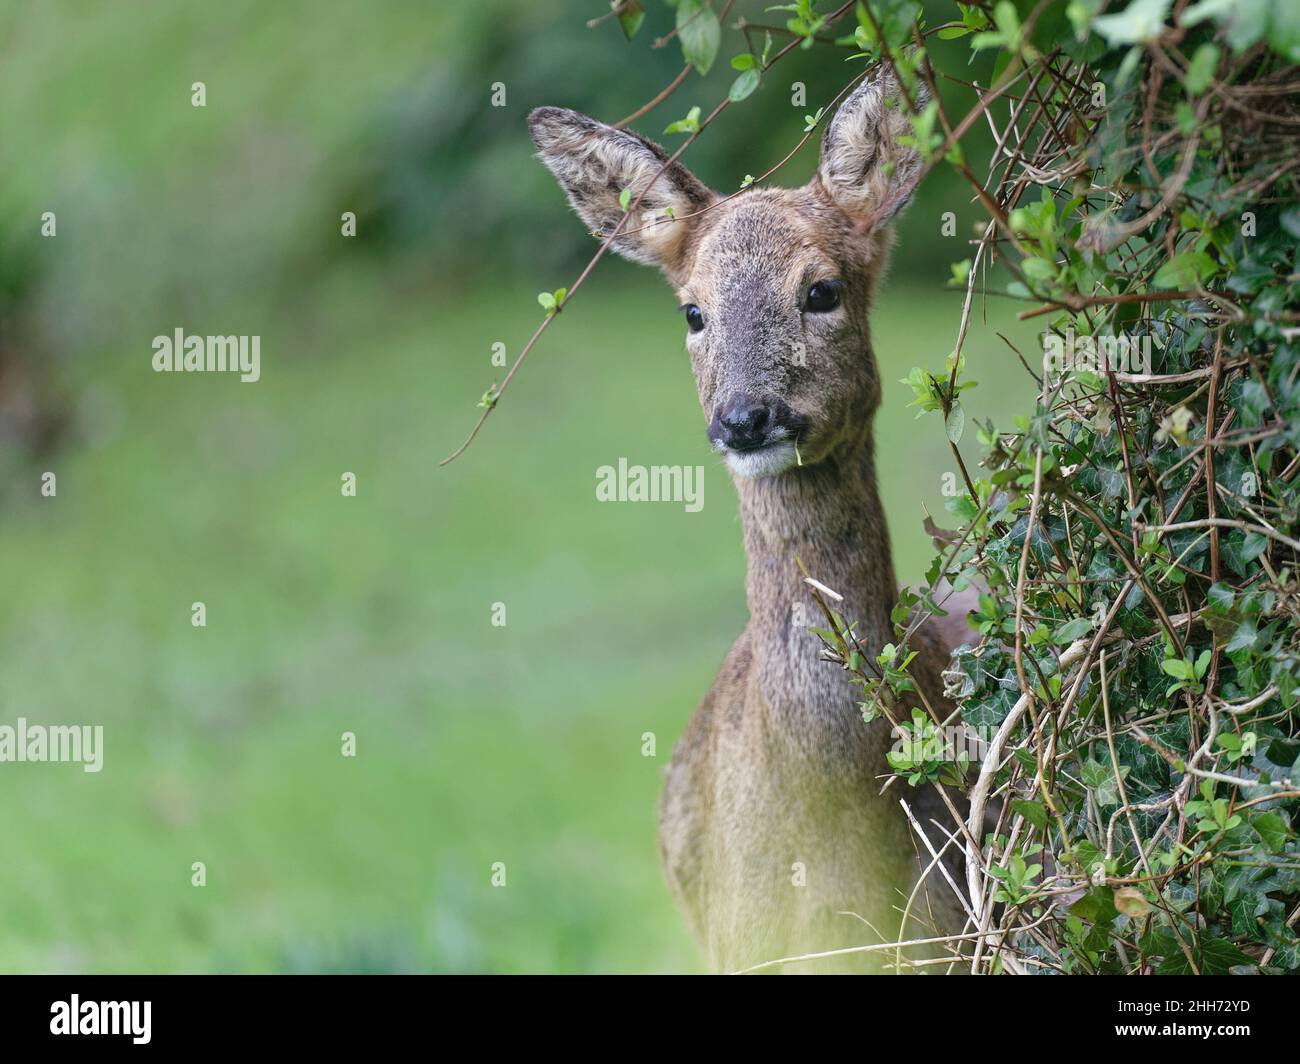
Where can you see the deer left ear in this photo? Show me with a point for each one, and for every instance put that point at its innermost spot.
(595, 164)
(864, 169)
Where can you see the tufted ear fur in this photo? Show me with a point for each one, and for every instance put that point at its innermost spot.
(864, 170)
(594, 163)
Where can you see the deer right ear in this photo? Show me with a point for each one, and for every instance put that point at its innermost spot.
(595, 163)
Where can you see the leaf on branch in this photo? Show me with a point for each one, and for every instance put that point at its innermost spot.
(552, 302)
(1200, 71)
(1140, 22)
(743, 86)
(689, 124)
(1033, 811)
(630, 16)
(700, 33)
(956, 423)
(1131, 902)
(1186, 270)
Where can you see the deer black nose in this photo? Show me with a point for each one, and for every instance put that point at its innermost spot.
(741, 424)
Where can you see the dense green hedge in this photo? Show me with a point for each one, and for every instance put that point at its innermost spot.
(1137, 656)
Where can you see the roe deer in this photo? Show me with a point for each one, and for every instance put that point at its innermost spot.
(775, 836)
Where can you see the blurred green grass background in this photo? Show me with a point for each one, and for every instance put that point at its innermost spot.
(326, 614)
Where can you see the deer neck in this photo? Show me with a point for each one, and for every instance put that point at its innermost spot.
(829, 516)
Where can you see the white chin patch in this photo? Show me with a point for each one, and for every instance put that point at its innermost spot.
(765, 462)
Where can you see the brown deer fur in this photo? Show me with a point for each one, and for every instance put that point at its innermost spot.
(776, 838)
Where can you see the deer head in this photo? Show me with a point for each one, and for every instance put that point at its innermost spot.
(775, 284)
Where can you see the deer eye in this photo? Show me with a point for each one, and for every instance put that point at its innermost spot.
(694, 317)
(823, 296)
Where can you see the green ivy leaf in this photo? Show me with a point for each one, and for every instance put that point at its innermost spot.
(1186, 270)
(1213, 956)
(1273, 830)
(1071, 630)
(1033, 811)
